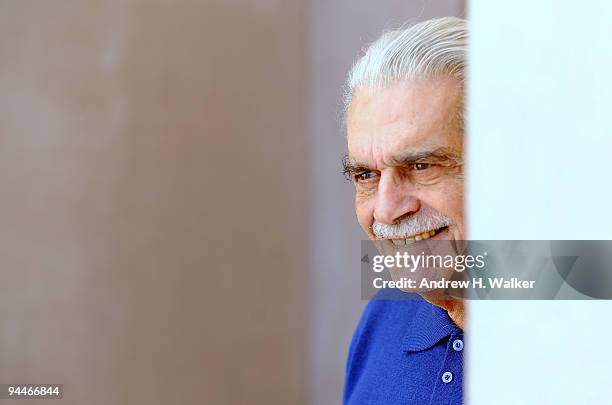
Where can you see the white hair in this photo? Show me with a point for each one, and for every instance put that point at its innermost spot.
(429, 49)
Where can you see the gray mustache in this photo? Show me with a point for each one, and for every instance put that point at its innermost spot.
(410, 226)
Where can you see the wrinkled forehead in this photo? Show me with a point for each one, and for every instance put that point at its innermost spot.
(409, 114)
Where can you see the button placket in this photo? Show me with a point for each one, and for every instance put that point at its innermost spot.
(449, 379)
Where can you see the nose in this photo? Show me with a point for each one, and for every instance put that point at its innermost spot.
(394, 199)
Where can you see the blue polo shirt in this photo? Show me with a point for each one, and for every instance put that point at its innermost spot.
(404, 351)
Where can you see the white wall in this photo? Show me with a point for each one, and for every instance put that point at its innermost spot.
(540, 98)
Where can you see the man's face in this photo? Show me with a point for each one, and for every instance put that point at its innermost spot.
(405, 146)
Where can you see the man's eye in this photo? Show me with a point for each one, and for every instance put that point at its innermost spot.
(422, 166)
(365, 176)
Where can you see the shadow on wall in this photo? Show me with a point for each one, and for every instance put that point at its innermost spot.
(337, 32)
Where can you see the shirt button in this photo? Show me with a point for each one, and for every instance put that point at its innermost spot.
(458, 345)
(447, 377)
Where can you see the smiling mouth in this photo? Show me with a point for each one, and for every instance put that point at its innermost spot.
(420, 236)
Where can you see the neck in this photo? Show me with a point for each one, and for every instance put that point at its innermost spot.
(455, 309)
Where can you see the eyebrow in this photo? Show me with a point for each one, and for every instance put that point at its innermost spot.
(442, 155)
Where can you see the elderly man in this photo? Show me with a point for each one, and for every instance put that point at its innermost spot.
(404, 120)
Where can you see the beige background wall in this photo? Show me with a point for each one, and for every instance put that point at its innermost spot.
(175, 228)
(150, 160)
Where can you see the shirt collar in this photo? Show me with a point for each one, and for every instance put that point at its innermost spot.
(429, 325)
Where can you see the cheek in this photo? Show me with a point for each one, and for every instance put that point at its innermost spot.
(448, 199)
(458, 202)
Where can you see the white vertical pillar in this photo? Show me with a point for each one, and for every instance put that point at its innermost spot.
(540, 103)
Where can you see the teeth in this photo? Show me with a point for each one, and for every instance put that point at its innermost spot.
(421, 236)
